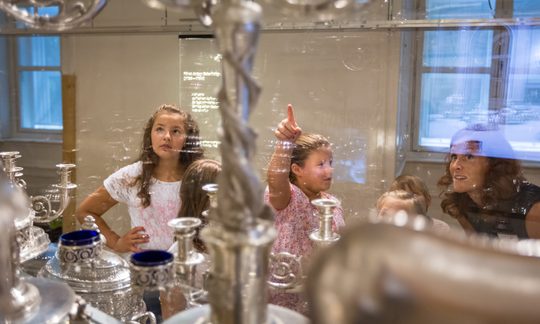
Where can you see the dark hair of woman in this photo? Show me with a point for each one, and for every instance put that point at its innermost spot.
(503, 178)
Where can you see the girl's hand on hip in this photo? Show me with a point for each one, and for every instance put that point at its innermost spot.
(130, 241)
(287, 129)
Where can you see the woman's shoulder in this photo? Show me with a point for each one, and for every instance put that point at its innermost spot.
(528, 195)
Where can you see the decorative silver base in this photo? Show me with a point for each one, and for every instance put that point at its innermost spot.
(36, 244)
(56, 301)
(201, 315)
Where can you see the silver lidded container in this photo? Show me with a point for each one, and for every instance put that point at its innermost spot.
(101, 277)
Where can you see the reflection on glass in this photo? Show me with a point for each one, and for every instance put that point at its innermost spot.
(444, 9)
(526, 8)
(458, 48)
(484, 187)
(449, 101)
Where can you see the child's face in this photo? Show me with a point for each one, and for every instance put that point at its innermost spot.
(391, 205)
(168, 135)
(316, 174)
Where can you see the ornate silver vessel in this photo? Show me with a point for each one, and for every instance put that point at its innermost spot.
(324, 235)
(32, 241)
(101, 277)
(188, 260)
(394, 272)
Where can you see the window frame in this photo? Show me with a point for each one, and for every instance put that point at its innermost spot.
(500, 74)
(16, 132)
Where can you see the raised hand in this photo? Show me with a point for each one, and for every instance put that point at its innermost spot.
(287, 129)
(130, 241)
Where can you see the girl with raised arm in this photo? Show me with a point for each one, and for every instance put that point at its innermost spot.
(300, 170)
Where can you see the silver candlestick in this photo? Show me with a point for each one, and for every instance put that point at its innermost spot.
(187, 258)
(13, 171)
(239, 242)
(42, 204)
(44, 213)
(211, 191)
(324, 235)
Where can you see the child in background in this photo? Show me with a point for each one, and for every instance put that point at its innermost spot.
(415, 200)
(392, 202)
(149, 187)
(299, 171)
(414, 185)
(194, 201)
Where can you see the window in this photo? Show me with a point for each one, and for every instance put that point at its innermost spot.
(39, 83)
(487, 75)
(36, 84)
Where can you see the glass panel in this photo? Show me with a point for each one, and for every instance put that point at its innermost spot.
(445, 9)
(526, 8)
(458, 48)
(40, 99)
(522, 112)
(450, 102)
(39, 51)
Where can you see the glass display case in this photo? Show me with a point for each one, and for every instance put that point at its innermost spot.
(444, 94)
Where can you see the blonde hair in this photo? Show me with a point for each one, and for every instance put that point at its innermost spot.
(413, 184)
(415, 203)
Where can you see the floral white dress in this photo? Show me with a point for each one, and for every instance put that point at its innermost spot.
(164, 204)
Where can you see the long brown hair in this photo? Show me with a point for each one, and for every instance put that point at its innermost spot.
(502, 181)
(303, 146)
(191, 151)
(194, 199)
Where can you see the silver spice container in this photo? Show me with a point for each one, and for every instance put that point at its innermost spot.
(101, 277)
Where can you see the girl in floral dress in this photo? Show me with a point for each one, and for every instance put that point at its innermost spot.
(299, 171)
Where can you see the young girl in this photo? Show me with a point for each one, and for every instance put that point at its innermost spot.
(149, 187)
(411, 194)
(300, 171)
(194, 201)
(415, 186)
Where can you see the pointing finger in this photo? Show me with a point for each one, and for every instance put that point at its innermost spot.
(290, 116)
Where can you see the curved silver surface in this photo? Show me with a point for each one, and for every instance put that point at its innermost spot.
(382, 273)
(104, 282)
(57, 300)
(276, 315)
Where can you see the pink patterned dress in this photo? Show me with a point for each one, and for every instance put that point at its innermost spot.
(294, 223)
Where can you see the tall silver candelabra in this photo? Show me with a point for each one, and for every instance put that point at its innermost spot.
(44, 213)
